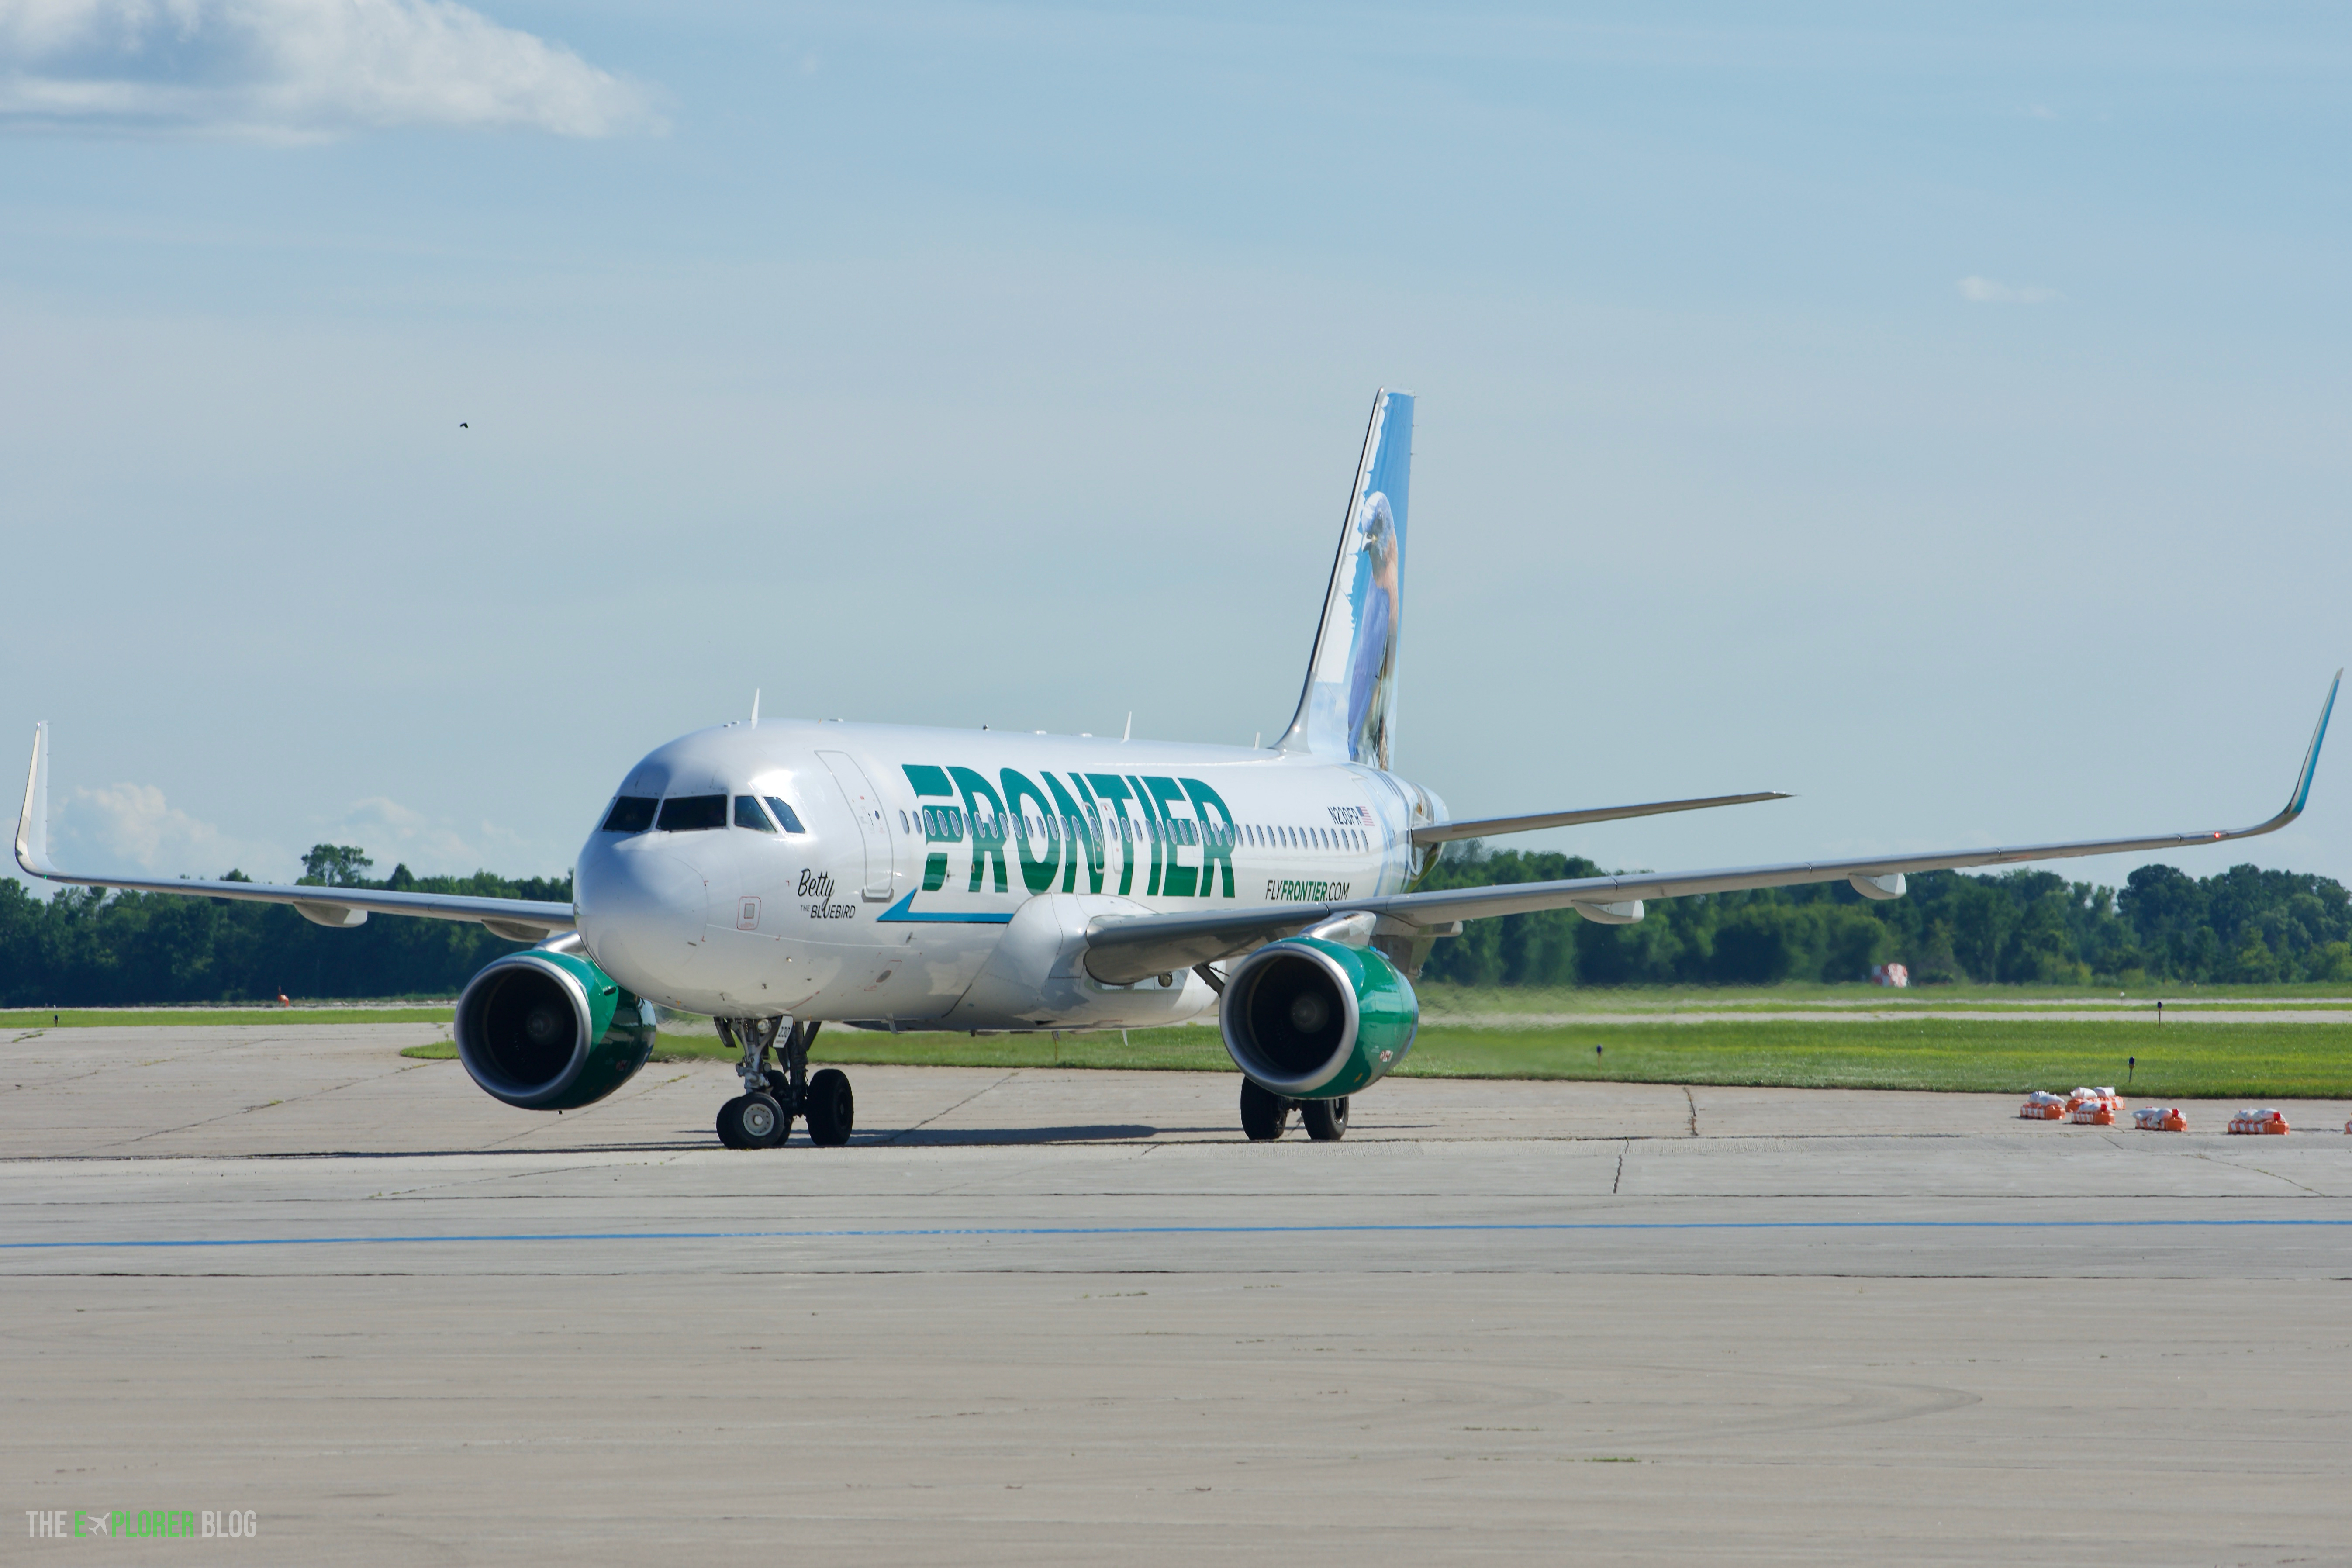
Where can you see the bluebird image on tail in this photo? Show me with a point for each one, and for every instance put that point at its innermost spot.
(1349, 709)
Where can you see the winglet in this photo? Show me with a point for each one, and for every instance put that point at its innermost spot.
(2311, 758)
(33, 822)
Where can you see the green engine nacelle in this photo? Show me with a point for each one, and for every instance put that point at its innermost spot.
(551, 1031)
(1312, 1019)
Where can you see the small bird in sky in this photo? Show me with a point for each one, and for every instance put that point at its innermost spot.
(463, 425)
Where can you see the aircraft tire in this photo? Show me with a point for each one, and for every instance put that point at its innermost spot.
(730, 1123)
(1326, 1119)
(764, 1121)
(831, 1109)
(1264, 1112)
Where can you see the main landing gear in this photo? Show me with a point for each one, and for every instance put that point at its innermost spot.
(773, 1093)
(1265, 1114)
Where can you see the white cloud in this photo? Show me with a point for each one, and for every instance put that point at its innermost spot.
(133, 822)
(1988, 292)
(391, 833)
(295, 68)
(120, 827)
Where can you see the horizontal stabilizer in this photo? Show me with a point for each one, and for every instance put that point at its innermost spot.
(1485, 827)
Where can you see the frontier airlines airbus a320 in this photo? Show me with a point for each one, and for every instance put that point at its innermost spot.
(784, 875)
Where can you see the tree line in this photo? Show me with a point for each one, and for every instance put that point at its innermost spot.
(88, 947)
(2245, 925)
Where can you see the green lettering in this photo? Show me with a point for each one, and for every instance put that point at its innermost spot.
(940, 826)
(1217, 837)
(985, 846)
(929, 782)
(1113, 788)
(1082, 824)
(1178, 881)
(1036, 875)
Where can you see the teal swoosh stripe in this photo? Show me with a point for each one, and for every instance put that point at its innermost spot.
(903, 911)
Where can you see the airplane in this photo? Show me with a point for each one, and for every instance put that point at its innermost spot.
(782, 876)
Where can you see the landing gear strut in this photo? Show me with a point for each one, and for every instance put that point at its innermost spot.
(775, 1092)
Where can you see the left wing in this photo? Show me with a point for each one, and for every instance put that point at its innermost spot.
(1121, 951)
(517, 919)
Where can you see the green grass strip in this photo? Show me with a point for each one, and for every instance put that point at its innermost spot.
(2245, 1061)
(2252, 1060)
(183, 1017)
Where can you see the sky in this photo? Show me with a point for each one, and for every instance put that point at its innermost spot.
(415, 411)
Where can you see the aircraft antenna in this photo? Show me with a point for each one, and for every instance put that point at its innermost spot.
(755, 707)
(1129, 735)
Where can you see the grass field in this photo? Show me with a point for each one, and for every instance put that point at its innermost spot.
(138, 1017)
(2023, 1049)
(1441, 1002)
(2248, 1061)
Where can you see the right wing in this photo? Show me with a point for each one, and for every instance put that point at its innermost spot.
(1447, 832)
(517, 919)
(1123, 950)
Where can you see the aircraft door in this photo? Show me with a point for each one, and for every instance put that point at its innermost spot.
(873, 821)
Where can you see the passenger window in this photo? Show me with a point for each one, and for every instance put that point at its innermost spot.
(693, 813)
(784, 814)
(749, 814)
(631, 814)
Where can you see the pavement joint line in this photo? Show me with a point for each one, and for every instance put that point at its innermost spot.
(950, 1231)
(958, 1105)
(1363, 1139)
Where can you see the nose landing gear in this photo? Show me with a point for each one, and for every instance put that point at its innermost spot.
(761, 1116)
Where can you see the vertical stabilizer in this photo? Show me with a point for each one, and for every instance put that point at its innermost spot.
(1348, 709)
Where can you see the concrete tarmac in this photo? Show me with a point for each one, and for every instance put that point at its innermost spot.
(1044, 1317)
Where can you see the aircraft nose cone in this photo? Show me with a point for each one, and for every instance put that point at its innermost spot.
(643, 910)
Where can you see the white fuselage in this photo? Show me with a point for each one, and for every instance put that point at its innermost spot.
(944, 878)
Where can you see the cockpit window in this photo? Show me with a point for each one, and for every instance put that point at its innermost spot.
(749, 814)
(784, 814)
(631, 814)
(693, 813)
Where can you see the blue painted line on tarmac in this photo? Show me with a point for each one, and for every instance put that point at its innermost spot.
(936, 1231)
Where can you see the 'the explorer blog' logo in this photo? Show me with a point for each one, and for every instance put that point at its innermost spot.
(143, 1523)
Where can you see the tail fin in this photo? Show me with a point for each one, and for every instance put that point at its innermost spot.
(1348, 709)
